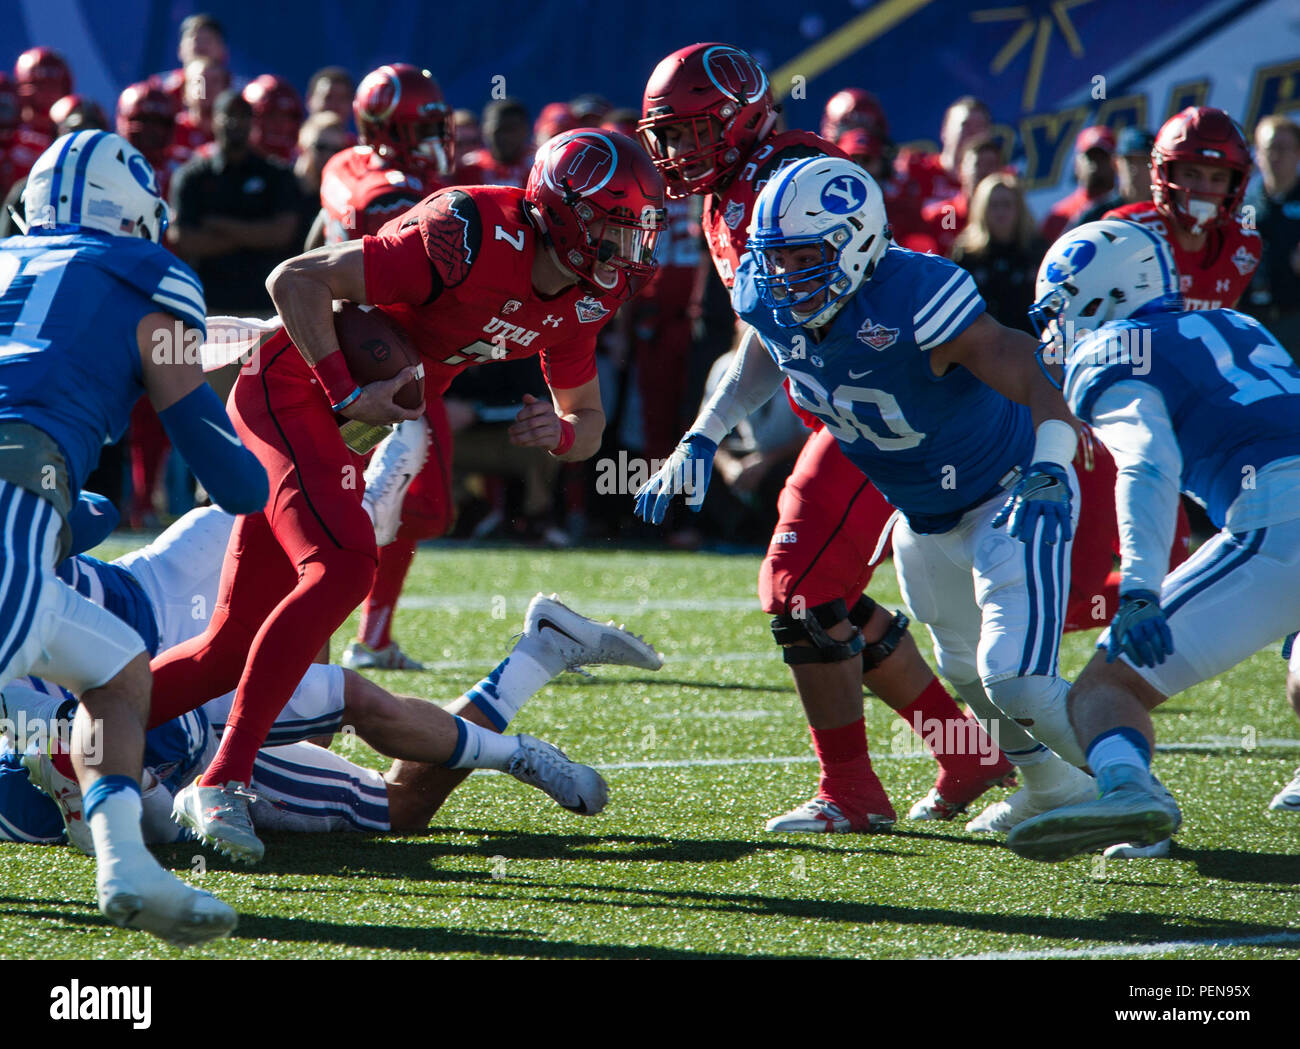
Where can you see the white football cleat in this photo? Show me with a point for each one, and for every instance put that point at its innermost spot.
(396, 463)
(220, 817)
(578, 788)
(1132, 810)
(139, 894)
(1288, 798)
(65, 793)
(1128, 851)
(823, 816)
(584, 642)
(1002, 816)
(360, 656)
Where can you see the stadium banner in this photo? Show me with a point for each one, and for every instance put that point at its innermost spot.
(1046, 67)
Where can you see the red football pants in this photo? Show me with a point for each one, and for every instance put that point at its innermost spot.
(831, 518)
(292, 573)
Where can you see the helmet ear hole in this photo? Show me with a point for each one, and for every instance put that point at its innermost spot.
(1091, 309)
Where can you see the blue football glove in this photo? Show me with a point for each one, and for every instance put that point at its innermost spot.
(687, 471)
(1140, 631)
(1042, 494)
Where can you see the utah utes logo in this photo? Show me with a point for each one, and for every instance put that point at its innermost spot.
(379, 93)
(735, 74)
(844, 194)
(1071, 259)
(581, 163)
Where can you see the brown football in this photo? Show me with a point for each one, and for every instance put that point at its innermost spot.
(375, 348)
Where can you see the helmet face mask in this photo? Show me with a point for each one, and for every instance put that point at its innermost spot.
(599, 202)
(706, 108)
(822, 203)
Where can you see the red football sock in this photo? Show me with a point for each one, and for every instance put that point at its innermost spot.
(846, 774)
(376, 628)
(327, 591)
(958, 746)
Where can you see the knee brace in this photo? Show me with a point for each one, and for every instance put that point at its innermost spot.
(876, 652)
(789, 630)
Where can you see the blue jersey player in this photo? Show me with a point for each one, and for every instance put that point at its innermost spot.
(1206, 403)
(94, 314)
(946, 412)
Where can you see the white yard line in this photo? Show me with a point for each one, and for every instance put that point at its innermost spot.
(1133, 949)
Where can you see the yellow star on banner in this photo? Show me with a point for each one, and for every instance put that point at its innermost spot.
(1040, 28)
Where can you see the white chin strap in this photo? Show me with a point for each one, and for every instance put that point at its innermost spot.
(595, 275)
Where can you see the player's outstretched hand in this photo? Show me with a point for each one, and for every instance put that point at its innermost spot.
(1140, 630)
(1042, 494)
(536, 425)
(376, 406)
(687, 471)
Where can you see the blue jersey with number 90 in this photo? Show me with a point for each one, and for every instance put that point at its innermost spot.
(935, 445)
(1232, 392)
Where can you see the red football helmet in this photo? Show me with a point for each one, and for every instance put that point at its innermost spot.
(554, 119)
(1208, 137)
(852, 109)
(10, 115)
(146, 117)
(599, 201)
(403, 117)
(277, 115)
(716, 104)
(77, 113)
(42, 77)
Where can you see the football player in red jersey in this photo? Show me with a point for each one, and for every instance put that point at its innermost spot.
(708, 120)
(407, 149)
(277, 115)
(146, 117)
(938, 175)
(41, 77)
(472, 274)
(1200, 165)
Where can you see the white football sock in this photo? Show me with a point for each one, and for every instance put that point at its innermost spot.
(481, 748)
(515, 680)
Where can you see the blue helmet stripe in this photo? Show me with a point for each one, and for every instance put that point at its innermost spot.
(58, 178)
(1161, 248)
(79, 180)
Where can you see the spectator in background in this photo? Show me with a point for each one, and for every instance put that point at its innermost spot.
(277, 116)
(234, 214)
(205, 80)
(937, 176)
(330, 90)
(505, 158)
(323, 134)
(590, 109)
(981, 156)
(9, 121)
(555, 119)
(1274, 294)
(469, 136)
(876, 155)
(202, 36)
(1132, 174)
(1000, 249)
(1094, 170)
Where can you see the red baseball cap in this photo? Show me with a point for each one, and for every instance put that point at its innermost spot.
(1096, 137)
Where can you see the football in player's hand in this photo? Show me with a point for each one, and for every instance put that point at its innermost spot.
(375, 347)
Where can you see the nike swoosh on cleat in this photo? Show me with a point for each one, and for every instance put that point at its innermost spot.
(542, 624)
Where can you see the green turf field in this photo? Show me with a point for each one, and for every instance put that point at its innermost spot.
(698, 756)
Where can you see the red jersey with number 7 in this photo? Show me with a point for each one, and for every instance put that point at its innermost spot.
(456, 273)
